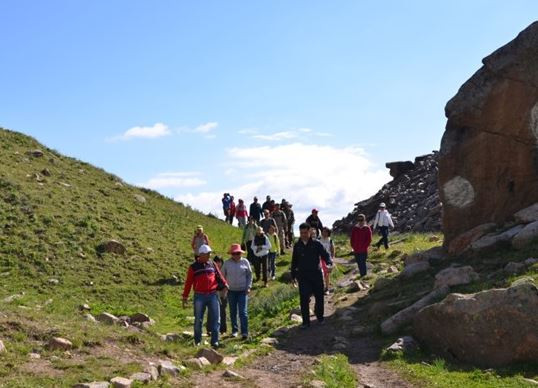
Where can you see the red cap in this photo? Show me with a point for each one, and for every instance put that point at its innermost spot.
(315, 210)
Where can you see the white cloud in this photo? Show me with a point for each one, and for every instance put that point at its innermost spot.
(206, 128)
(277, 136)
(169, 180)
(330, 178)
(248, 131)
(292, 134)
(155, 131)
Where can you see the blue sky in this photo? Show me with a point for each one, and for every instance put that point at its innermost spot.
(302, 99)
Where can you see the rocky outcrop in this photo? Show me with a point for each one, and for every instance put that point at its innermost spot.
(490, 329)
(411, 197)
(488, 161)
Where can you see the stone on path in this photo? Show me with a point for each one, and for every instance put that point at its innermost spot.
(58, 343)
(37, 153)
(527, 215)
(527, 235)
(141, 377)
(513, 268)
(455, 276)
(413, 269)
(296, 318)
(2, 347)
(269, 341)
(121, 382)
(229, 361)
(140, 198)
(152, 370)
(108, 318)
(403, 344)
(166, 368)
(95, 384)
(211, 355)
(229, 374)
(197, 363)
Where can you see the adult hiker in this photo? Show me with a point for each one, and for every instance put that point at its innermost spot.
(206, 280)
(226, 200)
(238, 273)
(231, 211)
(328, 244)
(260, 247)
(268, 221)
(290, 215)
(248, 236)
(241, 213)
(273, 252)
(267, 204)
(314, 221)
(256, 210)
(306, 270)
(223, 301)
(384, 221)
(199, 239)
(282, 226)
(361, 238)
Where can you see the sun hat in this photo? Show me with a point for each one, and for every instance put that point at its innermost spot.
(204, 250)
(382, 204)
(315, 210)
(235, 248)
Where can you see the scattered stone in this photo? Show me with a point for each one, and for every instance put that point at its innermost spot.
(140, 198)
(111, 246)
(403, 344)
(46, 172)
(141, 377)
(229, 361)
(356, 286)
(11, 298)
(2, 347)
(152, 370)
(36, 153)
(413, 269)
(392, 269)
(343, 298)
(166, 368)
(530, 262)
(228, 374)
(434, 238)
(459, 244)
(196, 363)
(141, 318)
(58, 343)
(269, 341)
(296, 318)
(527, 235)
(492, 328)
(405, 316)
(281, 332)
(108, 318)
(85, 307)
(361, 331)
(455, 276)
(90, 318)
(54, 282)
(34, 356)
(317, 384)
(211, 355)
(173, 337)
(527, 215)
(514, 268)
(95, 384)
(121, 382)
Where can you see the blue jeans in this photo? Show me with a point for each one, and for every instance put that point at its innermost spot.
(238, 301)
(272, 264)
(211, 301)
(384, 237)
(361, 262)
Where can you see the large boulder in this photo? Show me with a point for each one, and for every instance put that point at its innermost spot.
(527, 215)
(527, 235)
(399, 168)
(111, 246)
(455, 276)
(491, 328)
(488, 163)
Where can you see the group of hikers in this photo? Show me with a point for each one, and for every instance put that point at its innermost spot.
(218, 283)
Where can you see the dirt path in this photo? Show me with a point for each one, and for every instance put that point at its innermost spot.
(297, 354)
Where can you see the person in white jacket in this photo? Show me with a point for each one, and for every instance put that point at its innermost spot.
(261, 246)
(384, 221)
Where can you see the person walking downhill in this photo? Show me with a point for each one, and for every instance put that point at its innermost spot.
(241, 213)
(290, 215)
(267, 204)
(238, 273)
(256, 210)
(261, 247)
(361, 238)
(223, 301)
(248, 236)
(306, 270)
(231, 211)
(206, 279)
(226, 200)
(314, 221)
(328, 244)
(273, 252)
(282, 226)
(199, 239)
(384, 221)
(268, 221)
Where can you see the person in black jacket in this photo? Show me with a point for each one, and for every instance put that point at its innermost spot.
(256, 210)
(306, 270)
(314, 221)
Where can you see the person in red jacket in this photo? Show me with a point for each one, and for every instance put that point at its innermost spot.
(206, 279)
(231, 211)
(361, 238)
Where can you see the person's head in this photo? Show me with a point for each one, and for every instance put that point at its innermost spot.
(255, 199)
(272, 229)
(251, 220)
(236, 252)
(241, 201)
(199, 229)
(259, 230)
(313, 232)
(315, 212)
(277, 206)
(382, 206)
(304, 231)
(361, 219)
(218, 261)
(232, 197)
(266, 213)
(273, 202)
(268, 198)
(326, 232)
(203, 253)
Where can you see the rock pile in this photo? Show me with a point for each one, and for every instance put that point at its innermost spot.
(411, 197)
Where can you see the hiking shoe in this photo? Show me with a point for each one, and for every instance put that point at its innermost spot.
(273, 278)
(216, 345)
(234, 335)
(305, 326)
(244, 337)
(321, 321)
(327, 292)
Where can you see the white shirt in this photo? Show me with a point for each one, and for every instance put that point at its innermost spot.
(383, 218)
(264, 251)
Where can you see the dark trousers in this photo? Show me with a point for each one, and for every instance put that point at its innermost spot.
(250, 253)
(384, 230)
(361, 262)
(311, 283)
(223, 328)
(260, 263)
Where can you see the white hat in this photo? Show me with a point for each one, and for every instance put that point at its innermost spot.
(382, 204)
(204, 250)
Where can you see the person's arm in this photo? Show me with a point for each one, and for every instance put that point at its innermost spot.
(390, 221)
(267, 244)
(294, 260)
(188, 284)
(277, 242)
(285, 222)
(244, 238)
(249, 276)
(220, 276)
(253, 246)
(275, 225)
(369, 236)
(333, 249)
(324, 254)
(206, 237)
(376, 220)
